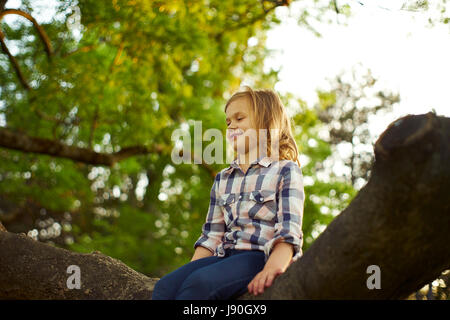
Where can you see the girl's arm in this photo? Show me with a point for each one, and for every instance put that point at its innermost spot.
(280, 257)
(201, 252)
(277, 263)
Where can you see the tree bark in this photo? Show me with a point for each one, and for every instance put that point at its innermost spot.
(17, 140)
(399, 221)
(33, 270)
(20, 141)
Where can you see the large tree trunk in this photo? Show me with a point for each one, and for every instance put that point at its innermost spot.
(33, 270)
(399, 222)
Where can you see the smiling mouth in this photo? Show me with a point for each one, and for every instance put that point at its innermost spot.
(235, 134)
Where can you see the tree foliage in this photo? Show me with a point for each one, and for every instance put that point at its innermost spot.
(105, 78)
(89, 80)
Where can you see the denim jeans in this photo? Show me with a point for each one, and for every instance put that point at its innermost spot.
(211, 278)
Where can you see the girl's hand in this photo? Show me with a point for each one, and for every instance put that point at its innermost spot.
(263, 279)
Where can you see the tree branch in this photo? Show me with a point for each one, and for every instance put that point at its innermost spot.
(42, 35)
(259, 17)
(102, 277)
(22, 142)
(13, 62)
(335, 5)
(398, 221)
(41, 31)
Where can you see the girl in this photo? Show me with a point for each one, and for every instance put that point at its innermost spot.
(252, 231)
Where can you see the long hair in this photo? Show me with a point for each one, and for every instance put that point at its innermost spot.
(268, 112)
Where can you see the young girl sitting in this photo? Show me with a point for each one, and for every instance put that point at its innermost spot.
(253, 230)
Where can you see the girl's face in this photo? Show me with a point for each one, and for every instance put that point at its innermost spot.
(238, 124)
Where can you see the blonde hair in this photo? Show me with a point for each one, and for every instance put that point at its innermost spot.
(268, 112)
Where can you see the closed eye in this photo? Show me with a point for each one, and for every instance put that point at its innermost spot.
(239, 119)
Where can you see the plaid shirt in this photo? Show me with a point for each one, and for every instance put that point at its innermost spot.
(255, 210)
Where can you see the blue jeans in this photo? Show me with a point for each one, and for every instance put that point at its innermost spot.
(211, 278)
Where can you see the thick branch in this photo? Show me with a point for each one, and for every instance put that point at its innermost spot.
(25, 262)
(22, 142)
(398, 221)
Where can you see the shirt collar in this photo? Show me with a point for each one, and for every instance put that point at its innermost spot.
(263, 160)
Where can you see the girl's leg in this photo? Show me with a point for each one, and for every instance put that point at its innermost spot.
(168, 285)
(225, 279)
